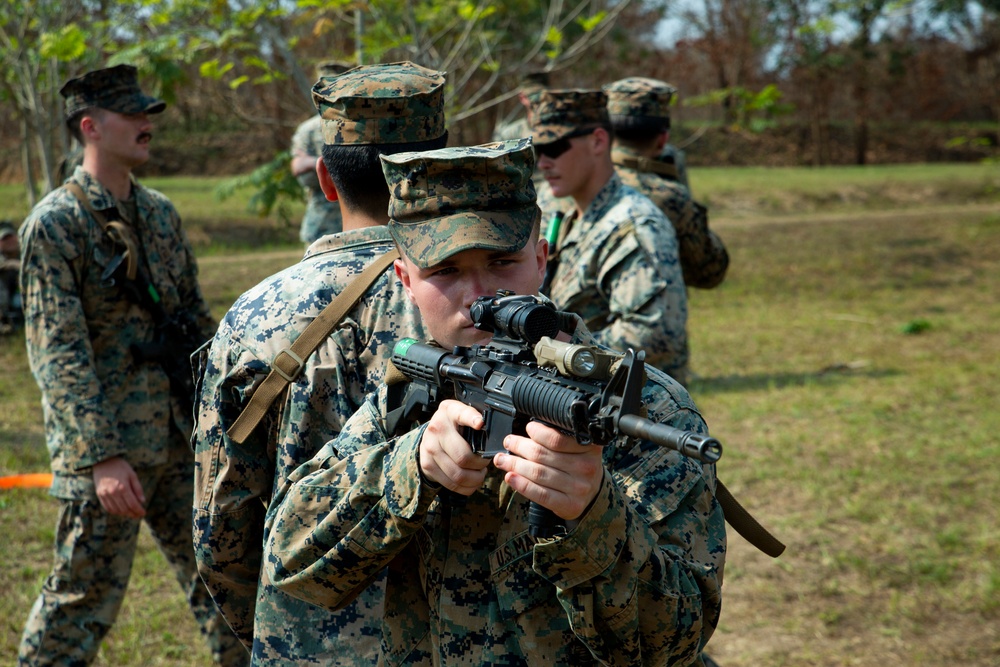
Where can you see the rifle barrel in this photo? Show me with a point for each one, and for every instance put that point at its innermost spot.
(695, 445)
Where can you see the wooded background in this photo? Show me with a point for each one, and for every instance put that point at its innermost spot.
(812, 82)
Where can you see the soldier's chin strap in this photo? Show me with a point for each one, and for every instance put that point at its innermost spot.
(118, 231)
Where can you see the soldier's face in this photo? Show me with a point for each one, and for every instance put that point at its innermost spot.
(567, 165)
(443, 293)
(125, 138)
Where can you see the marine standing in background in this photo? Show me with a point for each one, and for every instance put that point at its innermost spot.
(634, 579)
(615, 260)
(639, 110)
(365, 112)
(118, 436)
(322, 216)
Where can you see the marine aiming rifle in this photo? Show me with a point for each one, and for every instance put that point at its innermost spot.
(523, 374)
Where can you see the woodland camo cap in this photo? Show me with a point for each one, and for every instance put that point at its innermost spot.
(454, 199)
(566, 113)
(639, 97)
(113, 88)
(391, 103)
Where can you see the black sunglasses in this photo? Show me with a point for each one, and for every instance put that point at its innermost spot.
(554, 149)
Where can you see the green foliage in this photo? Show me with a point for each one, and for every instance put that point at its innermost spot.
(272, 188)
(754, 111)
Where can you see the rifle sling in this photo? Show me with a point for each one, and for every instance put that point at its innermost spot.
(114, 228)
(287, 363)
(744, 523)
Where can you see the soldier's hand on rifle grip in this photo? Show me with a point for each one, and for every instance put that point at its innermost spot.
(446, 458)
(553, 470)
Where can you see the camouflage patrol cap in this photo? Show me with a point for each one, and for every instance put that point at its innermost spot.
(565, 113)
(639, 97)
(454, 199)
(533, 84)
(392, 103)
(113, 88)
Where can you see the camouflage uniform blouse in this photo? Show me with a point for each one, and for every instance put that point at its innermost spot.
(704, 259)
(321, 216)
(636, 581)
(97, 402)
(233, 483)
(617, 267)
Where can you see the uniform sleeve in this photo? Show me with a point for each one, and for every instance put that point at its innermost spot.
(704, 258)
(642, 282)
(232, 483)
(343, 516)
(56, 334)
(640, 576)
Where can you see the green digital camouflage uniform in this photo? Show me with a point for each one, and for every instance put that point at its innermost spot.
(322, 216)
(617, 265)
(99, 402)
(636, 581)
(703, 256)
(395, 103)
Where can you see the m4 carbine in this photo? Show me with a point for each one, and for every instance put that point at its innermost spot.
(523, 374)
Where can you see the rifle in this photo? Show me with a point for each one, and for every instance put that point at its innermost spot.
(524, 374)
(175, 338)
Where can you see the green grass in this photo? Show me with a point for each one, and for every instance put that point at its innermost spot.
(849, 366)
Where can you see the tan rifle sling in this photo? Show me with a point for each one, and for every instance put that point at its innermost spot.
(118, 231)
(288, 363)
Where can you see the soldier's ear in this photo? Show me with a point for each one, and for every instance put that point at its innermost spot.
(404, 277)
(325, 181)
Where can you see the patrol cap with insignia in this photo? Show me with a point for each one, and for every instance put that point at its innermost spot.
(639, 97)
(113, 88)
(453, 199)
(389, 103)
(568, 113)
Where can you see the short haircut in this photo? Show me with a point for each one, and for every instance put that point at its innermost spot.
(356, 172)
(639, 130)
(73, 122)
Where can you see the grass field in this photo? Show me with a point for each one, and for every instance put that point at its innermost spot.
(850, 364)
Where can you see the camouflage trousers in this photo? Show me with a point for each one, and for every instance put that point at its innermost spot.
(93, 560)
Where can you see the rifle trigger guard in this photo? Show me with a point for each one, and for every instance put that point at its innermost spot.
(290, 377)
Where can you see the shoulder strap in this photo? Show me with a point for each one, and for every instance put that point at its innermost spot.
(116, 229)
(745, 524)
(287, 363)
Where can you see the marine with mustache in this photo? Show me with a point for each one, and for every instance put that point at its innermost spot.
(117, 435)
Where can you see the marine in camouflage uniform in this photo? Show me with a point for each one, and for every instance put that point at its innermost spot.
(616, 259)
(635, 580)
(102, 405)
(639, 109)
(369, 109)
